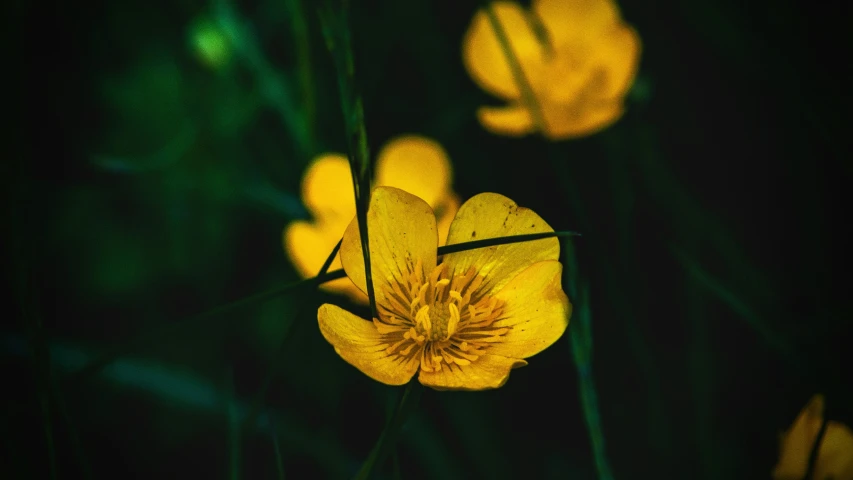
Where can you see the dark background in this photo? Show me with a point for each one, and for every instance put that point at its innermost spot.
(150, 186)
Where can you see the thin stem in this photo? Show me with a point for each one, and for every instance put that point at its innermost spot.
(815, 450)
(580, 337)
(337, 35)
(491, 242)
(388, 438)
(272, 368)
(279, 462)
(270, 83)
(111, 355)
(521, 80)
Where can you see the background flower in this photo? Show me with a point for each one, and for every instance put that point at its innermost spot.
(835, 454)
(578, 56)
(412, 163)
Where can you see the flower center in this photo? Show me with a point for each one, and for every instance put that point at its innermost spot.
(441, 318)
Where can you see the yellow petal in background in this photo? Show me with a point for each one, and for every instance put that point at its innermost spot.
(618, 56)
(402, 232)
(327, 188)
(513, 120)
(417, 165)
(485, 59)
(571, 121)
(359, 343)
(835, 455)
(444, 214)
(490, 215)
(308, 245)
(573, 21)
(835, 458)
(579, 80)
(487, 372)
(536, 310)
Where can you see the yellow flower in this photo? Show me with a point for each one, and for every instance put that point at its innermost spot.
(835, 454)
(580, 82)
(464, 322)
(415, 164)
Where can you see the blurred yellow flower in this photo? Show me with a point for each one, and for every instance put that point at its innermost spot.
(463, 322)
(579, 68)
(415, 164)
(835, 454)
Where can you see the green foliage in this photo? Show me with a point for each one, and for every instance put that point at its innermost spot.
(709, 269)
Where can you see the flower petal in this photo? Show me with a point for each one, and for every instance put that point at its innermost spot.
(620, 57)
(582, 118)
(308, 245)
(327, 188)
(359, 343)
(417, 165)
(574, 21)
(490, 215)
(401, 229)
(486, 61)
(444, 217)
(488, 371)
(835, 458)
(512, 120)
(536, 309)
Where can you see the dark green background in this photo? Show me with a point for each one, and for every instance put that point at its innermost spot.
(149, 187)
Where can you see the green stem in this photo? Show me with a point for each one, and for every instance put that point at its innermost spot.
(337, 35)
(111, 355)
(388, 438)
(521, 80)
(272, 368)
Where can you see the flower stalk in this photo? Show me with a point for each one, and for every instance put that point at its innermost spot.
(110, 356)
(337, 36)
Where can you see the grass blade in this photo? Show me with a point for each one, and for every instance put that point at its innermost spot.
(388, 438)
(111, 355)
(337, 35)
(527, 95)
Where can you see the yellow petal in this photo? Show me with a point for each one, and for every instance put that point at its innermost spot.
(796, 443)
(617, 55)
(444, 216)
(573, 21)
(402, 232)
(417, 165)
(359, 343)
(537, 311)
(835, 458)
(488, 371)
(580, 119)
(485, 59)
(835, 454)
(512, 120)
(327, 188)
(490, 215)
(308, 245)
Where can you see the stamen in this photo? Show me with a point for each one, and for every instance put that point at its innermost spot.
(453, 321)
(422, 319)
(439, 318)
(393, 347)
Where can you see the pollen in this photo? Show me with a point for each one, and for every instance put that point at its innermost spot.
(439, 317)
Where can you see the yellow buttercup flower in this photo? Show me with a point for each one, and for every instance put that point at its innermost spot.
(579, 68)
(415, 164)
(464, 320)
(835, 454)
